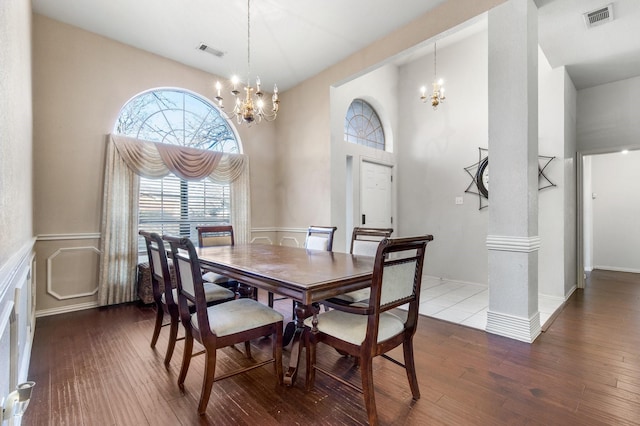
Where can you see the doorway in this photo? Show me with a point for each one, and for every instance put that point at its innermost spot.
(608, 206)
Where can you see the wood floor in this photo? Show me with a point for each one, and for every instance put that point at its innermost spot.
(95, 367)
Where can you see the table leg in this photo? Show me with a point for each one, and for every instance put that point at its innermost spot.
(301, 312)
(292, 326)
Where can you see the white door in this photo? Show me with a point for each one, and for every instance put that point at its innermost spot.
(375, 195)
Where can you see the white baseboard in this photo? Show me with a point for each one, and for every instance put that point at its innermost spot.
(617, 269)
(450, 280)
(65, 309)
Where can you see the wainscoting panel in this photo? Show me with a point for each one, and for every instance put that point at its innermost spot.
(62, 264)
(67, 267)
(7, 355)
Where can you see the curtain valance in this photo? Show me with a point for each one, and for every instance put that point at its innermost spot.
(156, 160)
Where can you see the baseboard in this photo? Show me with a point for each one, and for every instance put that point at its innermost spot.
(616, 269)
(450, 280)
(66, 309)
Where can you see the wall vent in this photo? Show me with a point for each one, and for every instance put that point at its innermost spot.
(599, 16)
(208, 49)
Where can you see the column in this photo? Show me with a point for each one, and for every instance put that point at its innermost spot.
(512, 237)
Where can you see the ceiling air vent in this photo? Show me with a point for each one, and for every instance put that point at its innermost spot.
(599, 16)
(208, 49)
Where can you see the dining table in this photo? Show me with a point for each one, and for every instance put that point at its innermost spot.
(304, 275)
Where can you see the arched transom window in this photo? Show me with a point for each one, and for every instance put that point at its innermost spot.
(362, 125)
(171, 205)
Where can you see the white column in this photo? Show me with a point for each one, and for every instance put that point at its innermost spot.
(512, 238)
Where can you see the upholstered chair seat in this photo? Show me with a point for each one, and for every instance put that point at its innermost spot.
(212, 293)
(352, 328)
(238, 316)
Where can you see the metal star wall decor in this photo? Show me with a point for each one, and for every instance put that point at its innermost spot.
(479, 173)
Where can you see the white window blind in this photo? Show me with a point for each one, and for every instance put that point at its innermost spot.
(174, 206)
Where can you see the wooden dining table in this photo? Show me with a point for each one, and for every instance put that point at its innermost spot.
(306, 276)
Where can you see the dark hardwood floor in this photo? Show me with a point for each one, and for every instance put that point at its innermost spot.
(95, 367)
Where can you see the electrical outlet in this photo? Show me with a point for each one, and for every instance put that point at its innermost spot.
(459, 200)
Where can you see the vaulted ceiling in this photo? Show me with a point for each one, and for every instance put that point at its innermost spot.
(292, 40)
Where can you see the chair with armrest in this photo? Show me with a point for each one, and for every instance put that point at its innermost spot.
(225, 324)
(374, 331)
(364, 242)
(221, 235)
(165, 296)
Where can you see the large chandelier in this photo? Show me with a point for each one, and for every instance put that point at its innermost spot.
(437, 96)
(250, 107)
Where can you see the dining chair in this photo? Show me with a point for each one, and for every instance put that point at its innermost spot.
(165, 295)
(320, 238)
(364, 242)
(397, 277)
(221, 235)
(317, 238)
(217, 326)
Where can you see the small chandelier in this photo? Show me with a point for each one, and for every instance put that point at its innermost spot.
(438, 89)
(250, 107)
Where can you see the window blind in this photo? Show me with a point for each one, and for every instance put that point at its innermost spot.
(174, 206)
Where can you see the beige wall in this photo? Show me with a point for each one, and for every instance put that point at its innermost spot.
(81, 80)
(16, 235)
(15, 127)
(304, 132)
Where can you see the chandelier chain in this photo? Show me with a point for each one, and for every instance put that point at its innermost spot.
(248, 39)
(435, 53)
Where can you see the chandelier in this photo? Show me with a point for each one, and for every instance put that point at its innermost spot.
(438, 89)
(249, 107)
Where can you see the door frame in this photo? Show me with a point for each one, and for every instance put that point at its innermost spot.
(580, 273)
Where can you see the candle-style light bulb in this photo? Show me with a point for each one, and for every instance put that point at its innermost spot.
(234, 82)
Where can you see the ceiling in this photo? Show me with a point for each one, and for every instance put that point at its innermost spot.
(292, 40)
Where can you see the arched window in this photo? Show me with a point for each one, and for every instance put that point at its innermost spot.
(362, 125)
(171, 205)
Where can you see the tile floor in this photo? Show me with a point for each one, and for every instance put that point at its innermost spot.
(467, 304)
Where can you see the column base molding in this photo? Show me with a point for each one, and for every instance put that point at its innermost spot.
(514, 244)
(513, 327)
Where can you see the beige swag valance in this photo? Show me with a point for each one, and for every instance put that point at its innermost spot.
(156, 160)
